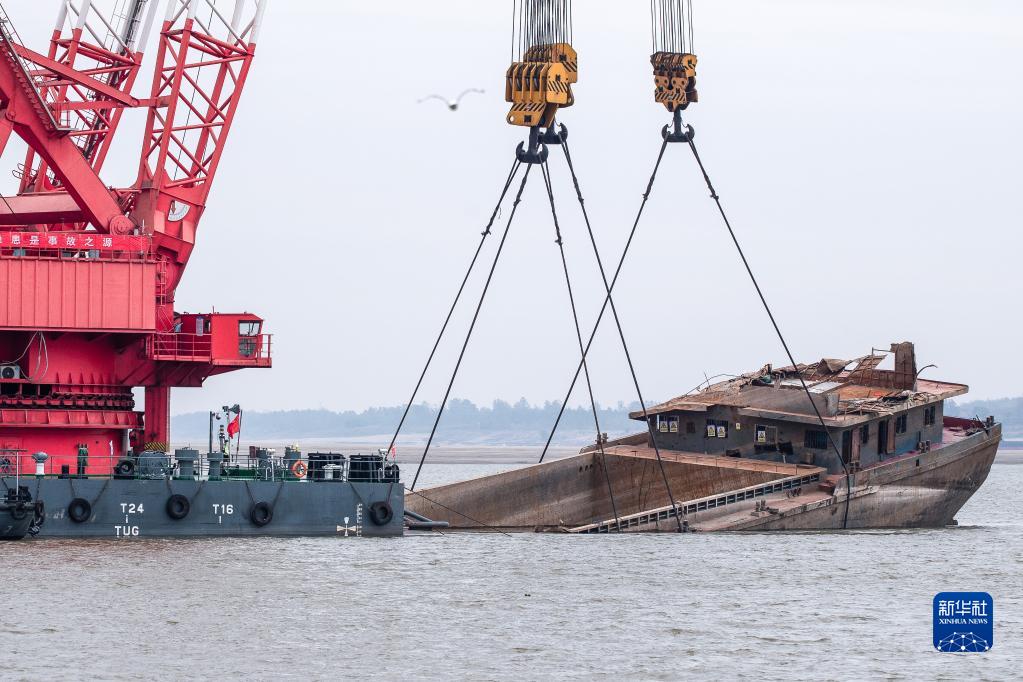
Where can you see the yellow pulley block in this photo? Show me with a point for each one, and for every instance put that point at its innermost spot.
(675, 79)
(541, 84)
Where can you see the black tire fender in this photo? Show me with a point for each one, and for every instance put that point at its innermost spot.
(125, 469)
(381, 513)
(19, 511)
(79, 510)
(261, 514)
(178, 507)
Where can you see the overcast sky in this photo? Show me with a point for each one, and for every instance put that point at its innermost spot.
(868, 153)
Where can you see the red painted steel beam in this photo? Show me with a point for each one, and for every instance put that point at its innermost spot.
(42, 208)
(29, 118)
(100, 88)
(119, 419)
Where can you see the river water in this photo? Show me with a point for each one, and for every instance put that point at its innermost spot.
(853, 605)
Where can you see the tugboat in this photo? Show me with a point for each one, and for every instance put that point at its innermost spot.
(89, 275)
(155, 494)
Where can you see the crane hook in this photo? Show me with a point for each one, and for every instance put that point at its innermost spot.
(537, 152)
(555, 134)
(676, 131)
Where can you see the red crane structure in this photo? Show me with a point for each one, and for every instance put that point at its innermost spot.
(88, 272)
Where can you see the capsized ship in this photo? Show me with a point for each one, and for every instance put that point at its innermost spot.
(88, 278)
(749, 453)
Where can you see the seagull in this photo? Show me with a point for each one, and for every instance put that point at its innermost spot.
(452, 104)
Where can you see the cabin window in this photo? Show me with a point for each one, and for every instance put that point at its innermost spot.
(760, 434)
(864, 434)
(667, 424)
(816, 439)
(765, 438)
(717, 428)
(930, 415)
(901, 424)
(690, 427)
(248, 333)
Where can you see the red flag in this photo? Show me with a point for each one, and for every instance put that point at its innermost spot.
(234, 427)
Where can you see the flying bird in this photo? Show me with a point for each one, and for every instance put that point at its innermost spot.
(452, 104)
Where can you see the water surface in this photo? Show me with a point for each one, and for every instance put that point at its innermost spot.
(853, 605)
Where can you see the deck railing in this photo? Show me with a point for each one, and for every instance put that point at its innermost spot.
(19, 463)
(702, 504)
(185, 347)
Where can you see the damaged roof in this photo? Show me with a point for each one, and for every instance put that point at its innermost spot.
(845, 391)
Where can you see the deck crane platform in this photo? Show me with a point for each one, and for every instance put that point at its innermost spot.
(89, 270)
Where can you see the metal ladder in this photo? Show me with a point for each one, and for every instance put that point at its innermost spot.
(9, 42)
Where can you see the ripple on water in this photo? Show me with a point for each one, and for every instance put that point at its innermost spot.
(485, 606)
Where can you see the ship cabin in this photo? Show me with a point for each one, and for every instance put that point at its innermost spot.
(870, 414)
(220, 339)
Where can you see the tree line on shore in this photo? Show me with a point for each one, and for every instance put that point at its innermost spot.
(463, 422)
(501, 422)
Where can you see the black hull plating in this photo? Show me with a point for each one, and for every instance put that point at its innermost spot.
(115, 508)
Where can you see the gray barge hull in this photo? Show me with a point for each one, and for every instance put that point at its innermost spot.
(140, 508)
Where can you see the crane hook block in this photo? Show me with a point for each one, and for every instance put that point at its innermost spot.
(541, 84)
(675, 78)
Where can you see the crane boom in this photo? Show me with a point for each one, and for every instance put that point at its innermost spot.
(86, 77)
(92, 270)
(202, 64)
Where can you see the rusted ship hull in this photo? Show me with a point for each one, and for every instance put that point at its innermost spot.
(898, 494)
(916, 490)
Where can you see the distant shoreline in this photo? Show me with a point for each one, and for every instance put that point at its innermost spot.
(471, 453)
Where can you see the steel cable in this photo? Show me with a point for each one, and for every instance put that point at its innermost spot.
(579, 336)
(455, 511)
(777, 329)
(486, 233)
(614, 281)
(609, 301)
(472, 326)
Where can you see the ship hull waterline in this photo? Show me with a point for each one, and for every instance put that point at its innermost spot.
(917, 490)
(140, 508)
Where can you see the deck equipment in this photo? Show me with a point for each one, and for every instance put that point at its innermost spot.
(673, 59)
(539, 81)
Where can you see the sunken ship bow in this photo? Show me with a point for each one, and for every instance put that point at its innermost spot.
(751, 453)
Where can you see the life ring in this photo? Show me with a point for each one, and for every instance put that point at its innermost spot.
(380, 513)
(178, 507)
(79, 510)
(299, 469)
(261, 514)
